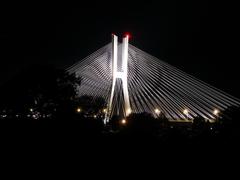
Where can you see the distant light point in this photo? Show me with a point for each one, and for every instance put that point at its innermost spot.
(123, 121)
(127, 34)
(157, 111)
(185, 111)
(216, 112)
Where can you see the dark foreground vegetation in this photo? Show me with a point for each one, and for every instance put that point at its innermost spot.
(139, 128)
(43, 115)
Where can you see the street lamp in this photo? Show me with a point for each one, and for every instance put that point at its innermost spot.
(123, 121)
(157, 111)
(186, 112)
(129, 111)
(78, 110)
(216, 112)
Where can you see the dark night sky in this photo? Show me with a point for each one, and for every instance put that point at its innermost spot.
(189, 35)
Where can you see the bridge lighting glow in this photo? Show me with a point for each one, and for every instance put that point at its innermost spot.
(157, 111)
(78, 110)
(186, 112)
(123, 121)
(129, 111)
(216, 112)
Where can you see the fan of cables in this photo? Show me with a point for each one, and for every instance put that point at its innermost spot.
(154, 86)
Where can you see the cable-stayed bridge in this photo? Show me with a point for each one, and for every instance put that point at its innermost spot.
(133, 81)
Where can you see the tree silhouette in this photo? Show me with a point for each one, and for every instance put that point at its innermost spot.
(41, 88)
(228, 123)
(143, 124)
(90, 105)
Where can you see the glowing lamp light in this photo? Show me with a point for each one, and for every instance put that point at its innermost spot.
(104, 110)
(129, 111)
(157, 111)
(95, 116)
(123, 121)
(78, 110)
(216, 112)
(31, 109)
(185, 111)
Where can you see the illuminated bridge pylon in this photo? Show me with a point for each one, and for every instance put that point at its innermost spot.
(132, 81)
(119, 71)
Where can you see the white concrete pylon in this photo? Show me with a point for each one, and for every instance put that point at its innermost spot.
(119, 74)
(125, 75)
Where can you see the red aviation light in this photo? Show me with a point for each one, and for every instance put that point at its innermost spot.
(127, 34)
